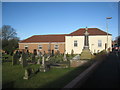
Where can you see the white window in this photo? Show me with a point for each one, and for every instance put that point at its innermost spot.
(56, 46)
(75, 43)
(26, 46)
(99, 43)
(39, 46)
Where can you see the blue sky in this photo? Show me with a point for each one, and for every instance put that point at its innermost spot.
(39, 18)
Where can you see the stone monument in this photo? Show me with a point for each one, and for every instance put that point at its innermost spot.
(43, 66)
(65, 58)
(86, 54)
(26, 75)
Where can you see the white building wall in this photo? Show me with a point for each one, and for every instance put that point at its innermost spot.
(93, 43)
(69, 44)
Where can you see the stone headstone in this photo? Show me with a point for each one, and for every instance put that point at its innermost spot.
(15, 58)
(47, 59)
(77, 57)
(65, 58)
(38, 61)
(20, 59)
(24, 62)
(33, 58)
(26, 74)
(43, 60)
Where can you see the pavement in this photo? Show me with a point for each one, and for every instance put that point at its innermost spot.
(107, 75)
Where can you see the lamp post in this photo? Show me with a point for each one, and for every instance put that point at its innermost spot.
(107, 30)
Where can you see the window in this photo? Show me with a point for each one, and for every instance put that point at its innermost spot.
(99, 43)
(39, 46)
(26, 46)
(56, 46)
(75, 43)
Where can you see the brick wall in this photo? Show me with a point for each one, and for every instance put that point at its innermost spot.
(32, 46)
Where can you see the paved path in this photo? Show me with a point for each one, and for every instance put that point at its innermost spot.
(107, 75)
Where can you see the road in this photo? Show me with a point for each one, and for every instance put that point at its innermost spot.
(107, 75)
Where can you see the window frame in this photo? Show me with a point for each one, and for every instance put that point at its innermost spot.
(57, 47)
(25, 46)
(75, 43)
(39, 47)
(99, 43)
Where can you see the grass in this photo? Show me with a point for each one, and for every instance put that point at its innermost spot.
(12, 77)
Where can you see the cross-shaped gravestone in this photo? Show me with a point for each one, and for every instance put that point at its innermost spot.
(26, 74)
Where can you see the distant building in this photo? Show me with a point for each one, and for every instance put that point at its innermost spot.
(73, 41)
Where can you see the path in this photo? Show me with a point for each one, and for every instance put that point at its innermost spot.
(107, 75)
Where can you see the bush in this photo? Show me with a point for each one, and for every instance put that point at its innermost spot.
(100, 53)
(56, 59)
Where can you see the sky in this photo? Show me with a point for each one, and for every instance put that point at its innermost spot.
(40, 18)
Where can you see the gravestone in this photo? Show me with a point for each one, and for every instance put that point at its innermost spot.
(26, 74)
(43, 67)
(23, 60)
(33, 58)
(43, 60)
(20, 59)
(75, 61)
(47, 59)
(77, 57)
(15, 58)
(65, 58)
(38, 61)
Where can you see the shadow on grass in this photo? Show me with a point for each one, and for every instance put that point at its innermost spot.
(64, 80)
(8, 85)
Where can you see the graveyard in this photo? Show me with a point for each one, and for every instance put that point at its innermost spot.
(27, 70)
(45, 70)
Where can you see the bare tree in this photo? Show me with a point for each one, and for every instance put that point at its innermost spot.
(9, 39)
(8, 32)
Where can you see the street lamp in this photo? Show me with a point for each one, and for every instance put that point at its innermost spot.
(107, 30)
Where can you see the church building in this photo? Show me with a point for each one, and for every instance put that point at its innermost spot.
(97, 41)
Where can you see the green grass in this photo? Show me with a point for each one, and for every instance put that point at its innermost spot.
(12, 77)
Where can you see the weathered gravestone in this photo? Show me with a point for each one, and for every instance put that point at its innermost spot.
(65, 58)
(44, 67)
(26, 74)
(33, 58)
(15, 58)
(29, 72)
(38, 61)
(23, 60)
(77, 57)
(47, 59)
(75, 61)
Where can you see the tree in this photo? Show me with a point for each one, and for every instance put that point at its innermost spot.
(9, 39)
(8, 32)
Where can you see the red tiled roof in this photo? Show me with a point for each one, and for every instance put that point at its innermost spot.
(61, 37)
(91, 31)
(45, 38)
